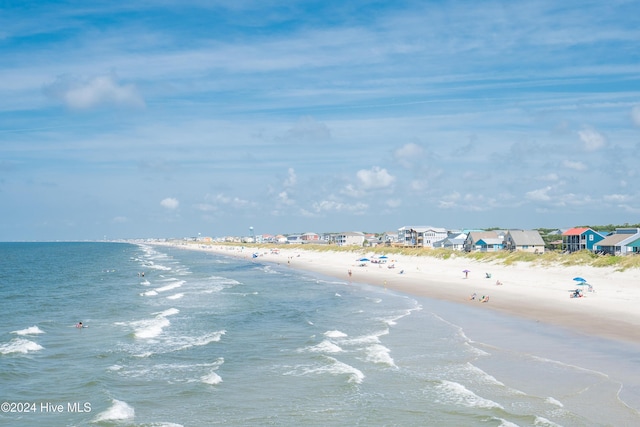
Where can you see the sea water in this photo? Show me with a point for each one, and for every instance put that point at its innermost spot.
(189, 338)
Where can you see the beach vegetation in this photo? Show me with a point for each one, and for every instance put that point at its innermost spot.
(548, 258)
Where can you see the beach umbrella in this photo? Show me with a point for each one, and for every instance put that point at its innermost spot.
(466, 272)
(383, 257)
(579, 279)
(363, 259)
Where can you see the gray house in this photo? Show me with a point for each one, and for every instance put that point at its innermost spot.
(619, 243)
(524, 240)
(476, 241)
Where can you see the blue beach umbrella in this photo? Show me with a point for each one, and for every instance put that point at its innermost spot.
(363, 259)
(579, 279)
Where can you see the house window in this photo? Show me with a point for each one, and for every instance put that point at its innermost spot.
(591, 238)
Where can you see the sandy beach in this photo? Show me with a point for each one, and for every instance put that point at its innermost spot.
(540, 293)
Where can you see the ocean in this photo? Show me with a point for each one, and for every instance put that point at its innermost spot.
(174, 337)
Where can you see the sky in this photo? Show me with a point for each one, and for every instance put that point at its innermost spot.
(147, 119)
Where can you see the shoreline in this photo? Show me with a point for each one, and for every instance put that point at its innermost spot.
(526, 291)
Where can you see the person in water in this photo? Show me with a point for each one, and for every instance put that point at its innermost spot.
(79, 325)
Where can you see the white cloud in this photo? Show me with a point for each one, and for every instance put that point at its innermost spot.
(375, 178)
(616, 198)
(205, 207)
(592, 139)
(120, 220)
(170, 203)
(308, 129)
(578, 166)
(291, 179)
(336, 206)
(393, 203)
(232, 201)
(408, 154)
(82, 94)
(635, 115)
(283, 197)
(540, 195)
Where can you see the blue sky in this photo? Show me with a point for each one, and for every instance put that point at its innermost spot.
(169, 119)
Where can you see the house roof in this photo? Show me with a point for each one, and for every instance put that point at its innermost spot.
(576, 231)
(617, 239)
(474, 236)
(526, 237)
(422, 229)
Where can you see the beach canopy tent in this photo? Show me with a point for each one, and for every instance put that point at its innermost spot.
(363, 259)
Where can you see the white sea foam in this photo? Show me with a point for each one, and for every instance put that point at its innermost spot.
(335, 334)
(484, 377)
(475, 350)
(118, 411)
(211, 378)
(335, 367)
(555, 402)
(145, 282)
(170, 286)
(188, 342)
(355, 375)
(149, 294)
(392, 321)
(505, 423)
(175, 296)
(19, 345)
(161, 424)
(373, 338)
(325, 346)
(32, 330)
(150, 328)
(157, 266)
(458, 394)
(379, 354)
(541, 421)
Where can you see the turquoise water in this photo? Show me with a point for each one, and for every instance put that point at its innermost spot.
(202, 340)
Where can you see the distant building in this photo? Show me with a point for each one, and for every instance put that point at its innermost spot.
(389, 237)
(580, 238)
(310, 238)
(453, 242)
(483, 241)
(294, 238)
(421, 236)
(624, 241)
(350, 238)
(524, 240)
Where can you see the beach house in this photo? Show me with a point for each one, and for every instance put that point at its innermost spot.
(483, 241)
(389, 237)
(349, 238)
(454, 242)
(524, 240)
(580, 238)
(310, 237)
(624, 241)
(421, 236)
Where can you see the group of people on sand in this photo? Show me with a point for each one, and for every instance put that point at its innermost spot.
(484, 298)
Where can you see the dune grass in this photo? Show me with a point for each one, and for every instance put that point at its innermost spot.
(587, 258)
